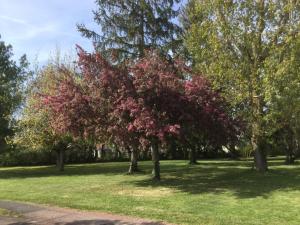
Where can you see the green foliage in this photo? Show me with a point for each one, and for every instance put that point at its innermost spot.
(34, 131)
(283, 95)
(249, 50)
(12, 76)
(35, 141)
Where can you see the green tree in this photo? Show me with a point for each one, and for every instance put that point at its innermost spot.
(128, 27)
(283, 97)
(12, 76)
(234, 43)
(34, 131)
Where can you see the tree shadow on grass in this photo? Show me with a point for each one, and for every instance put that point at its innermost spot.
(243, 163)
(236, 177)
(22, 223)
(214, 176)
(70, 170)
(91, 222)
(106, 222)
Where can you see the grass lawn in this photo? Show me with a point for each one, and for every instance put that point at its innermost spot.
(213, 192)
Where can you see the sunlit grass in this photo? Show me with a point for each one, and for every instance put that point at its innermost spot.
(213, 192)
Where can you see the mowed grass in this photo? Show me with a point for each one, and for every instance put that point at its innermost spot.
(218, 192)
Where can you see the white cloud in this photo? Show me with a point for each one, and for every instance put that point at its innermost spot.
(14, 20)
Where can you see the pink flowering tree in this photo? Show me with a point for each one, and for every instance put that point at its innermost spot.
(209, 121)
(143, 104)
(109, 87)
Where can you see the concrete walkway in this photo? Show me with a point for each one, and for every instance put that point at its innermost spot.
(33, 214)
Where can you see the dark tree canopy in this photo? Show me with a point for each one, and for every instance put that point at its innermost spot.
(128, 27)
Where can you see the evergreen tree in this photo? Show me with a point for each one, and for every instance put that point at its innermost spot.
(128, 27)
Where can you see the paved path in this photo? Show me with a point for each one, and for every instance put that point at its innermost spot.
(33, 214)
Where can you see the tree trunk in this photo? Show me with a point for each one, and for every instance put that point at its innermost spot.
(290, 159)
(290, 156)
(133, 161)
(60, 160)
(96, 154)
(171, 154)
(260, 158)
(155, 160)
(233, 152)
(290, 146)
(185, 153)
(102, 152)
(256, 89)
(192, 157)
(117, 153)
(260, 161)
(57, 159)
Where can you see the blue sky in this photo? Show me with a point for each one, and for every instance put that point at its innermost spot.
(39, 27)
